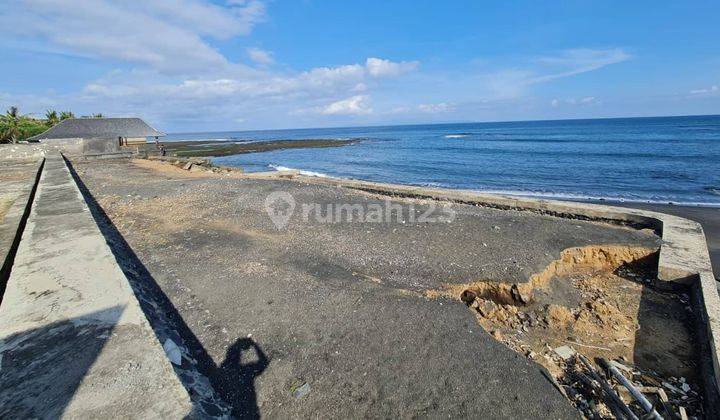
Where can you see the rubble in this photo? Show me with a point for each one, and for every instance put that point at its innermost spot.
(668, 401)
(596, 304)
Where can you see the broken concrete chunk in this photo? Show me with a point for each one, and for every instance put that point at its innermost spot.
(188, 166)
(565, 352)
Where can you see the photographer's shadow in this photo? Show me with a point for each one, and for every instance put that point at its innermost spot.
(237, 379)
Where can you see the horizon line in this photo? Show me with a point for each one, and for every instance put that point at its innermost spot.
(447, 123)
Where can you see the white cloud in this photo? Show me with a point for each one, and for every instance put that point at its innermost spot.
(514, 82)
(381, 67)
(260, 56)
(355, 105)
(436, 108)
(585, 101)
(577, 61)
(166, 35)
(712, 90)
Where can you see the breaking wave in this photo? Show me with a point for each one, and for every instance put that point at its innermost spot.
(300, 171)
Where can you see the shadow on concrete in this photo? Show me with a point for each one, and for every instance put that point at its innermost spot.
(43, 368)
(232, 383)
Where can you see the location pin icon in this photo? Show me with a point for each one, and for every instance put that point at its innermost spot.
(280, 206)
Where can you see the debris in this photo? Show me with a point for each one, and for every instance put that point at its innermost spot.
(613, 397)
(672, 388)
(683, 414)
(565, 352)
(302, 390)
(188, 166)
(173, 352)
(646, 405)
(588, 346)
(621, 366)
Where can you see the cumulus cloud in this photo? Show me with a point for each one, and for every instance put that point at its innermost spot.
(381, 67)
(260, 56)
(355, 105)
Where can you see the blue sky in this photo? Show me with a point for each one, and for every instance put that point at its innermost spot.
(193, 65)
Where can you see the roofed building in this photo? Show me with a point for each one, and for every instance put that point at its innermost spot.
(124, 131)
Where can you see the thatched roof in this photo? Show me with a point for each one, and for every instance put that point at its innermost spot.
(99, 128)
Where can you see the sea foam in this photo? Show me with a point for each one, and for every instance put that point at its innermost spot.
(300, 171)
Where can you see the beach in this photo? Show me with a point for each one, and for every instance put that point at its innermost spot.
(355, 315)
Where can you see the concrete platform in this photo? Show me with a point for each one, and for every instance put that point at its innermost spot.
(335, 307)
(73, 340)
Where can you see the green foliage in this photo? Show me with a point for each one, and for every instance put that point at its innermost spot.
(11, 126)
(64, 115)
(15, 127)
(51, 117)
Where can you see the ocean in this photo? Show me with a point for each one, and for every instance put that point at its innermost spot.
(658, 160)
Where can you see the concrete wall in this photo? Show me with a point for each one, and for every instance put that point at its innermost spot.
(70, 147)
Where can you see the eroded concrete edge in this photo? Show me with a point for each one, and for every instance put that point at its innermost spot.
(12, 226)
(684, 256)
(69, 312)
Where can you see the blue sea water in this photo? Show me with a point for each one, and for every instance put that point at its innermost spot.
(660, 159)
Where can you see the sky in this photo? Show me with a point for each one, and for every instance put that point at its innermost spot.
(195, 65)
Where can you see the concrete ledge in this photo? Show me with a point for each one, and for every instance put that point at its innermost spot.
(101, 156)
(12, 225)
(73, 339)
(684, 258)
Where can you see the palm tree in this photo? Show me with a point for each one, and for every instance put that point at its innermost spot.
(11, 120)
(52, 117)
(66, 114)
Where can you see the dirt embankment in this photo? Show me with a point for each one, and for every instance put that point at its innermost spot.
(596, 301)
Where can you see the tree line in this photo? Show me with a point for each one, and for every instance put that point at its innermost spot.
(15, 127)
